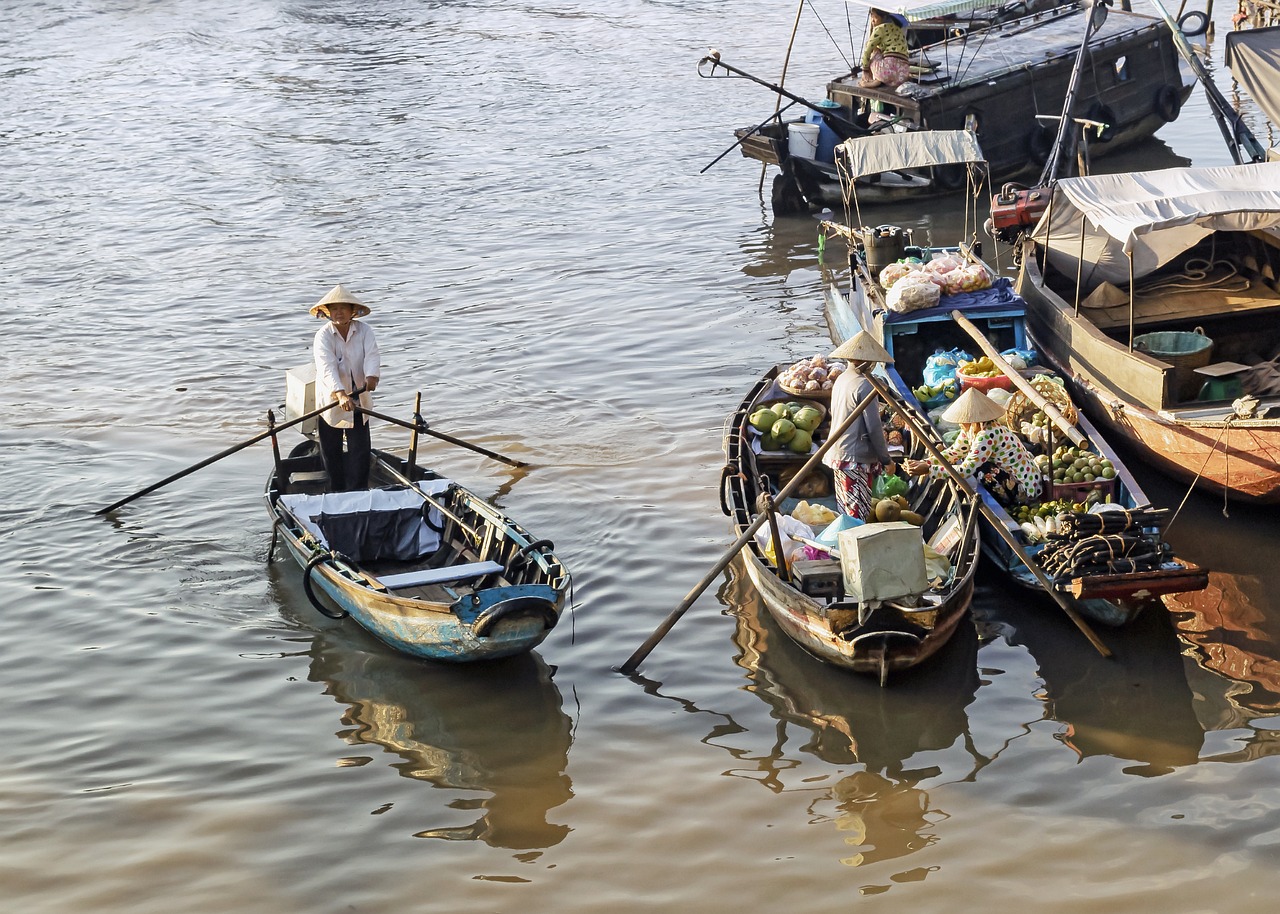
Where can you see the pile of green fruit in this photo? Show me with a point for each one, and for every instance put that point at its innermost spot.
(948, 388)
(1048, 509)
(1070, 464)
(786, 426)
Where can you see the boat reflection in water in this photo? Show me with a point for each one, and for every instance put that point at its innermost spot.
(1135, 705)
(1235, 646)
(497, 728)
(897, 737)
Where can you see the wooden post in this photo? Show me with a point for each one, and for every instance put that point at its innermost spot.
(413, 440)
(281, 482)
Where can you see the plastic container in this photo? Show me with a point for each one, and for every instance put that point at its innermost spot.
(882, 245)
(828, 139)
(1079, 491)
(1184, 350)
(999, 382)
(300, 396)
(802, 140)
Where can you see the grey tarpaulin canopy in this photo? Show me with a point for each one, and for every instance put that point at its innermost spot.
(1254, 58)
(1152, 216)
(881, 152)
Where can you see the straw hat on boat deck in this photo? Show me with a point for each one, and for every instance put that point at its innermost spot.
(861, 347)
(973, 406)
(339, 295)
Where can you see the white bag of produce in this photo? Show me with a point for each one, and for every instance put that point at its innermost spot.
(911, 294)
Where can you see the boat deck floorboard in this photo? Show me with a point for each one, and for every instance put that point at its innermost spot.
(1165, 306)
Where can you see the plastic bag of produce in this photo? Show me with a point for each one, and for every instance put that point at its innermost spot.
(888, 485)
(788, 528)
(814, 515)
(1027, 357)
(911, 294)
(895, 271)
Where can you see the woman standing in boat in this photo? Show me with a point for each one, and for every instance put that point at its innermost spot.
(862, 452)
(884, 58)
(985, 451)
(347, 359)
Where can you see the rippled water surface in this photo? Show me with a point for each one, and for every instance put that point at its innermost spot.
(516, 190)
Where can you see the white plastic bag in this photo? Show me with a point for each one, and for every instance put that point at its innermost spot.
(788, 527)
(911, 293)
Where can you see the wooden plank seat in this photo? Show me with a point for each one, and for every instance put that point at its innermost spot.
(445, 575)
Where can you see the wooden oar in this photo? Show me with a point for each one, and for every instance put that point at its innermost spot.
(423, 427)
(927, 440)
(270, 432)
(643, 651)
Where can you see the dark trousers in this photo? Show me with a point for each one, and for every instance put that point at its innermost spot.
(347, 471)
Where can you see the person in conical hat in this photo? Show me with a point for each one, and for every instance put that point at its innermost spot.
(347, 359)
(862, 452)
(986, 451)
(339, 295)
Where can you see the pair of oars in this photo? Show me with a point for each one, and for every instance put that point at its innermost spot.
(417, 426)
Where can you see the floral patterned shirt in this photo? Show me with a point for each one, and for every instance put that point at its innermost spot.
(995, 444)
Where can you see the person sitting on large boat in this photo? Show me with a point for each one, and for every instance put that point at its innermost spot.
(884, 58)
(986, 451)
(862, 452)
(347, 358)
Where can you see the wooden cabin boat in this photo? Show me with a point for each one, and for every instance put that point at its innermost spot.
(808, 601)
(419, 561)
(998, 316)
(1005, 80)
(1156, 296)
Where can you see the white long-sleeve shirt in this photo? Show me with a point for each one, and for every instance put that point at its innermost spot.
(344, 365)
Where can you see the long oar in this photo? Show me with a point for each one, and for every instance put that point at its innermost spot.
(1047, 585)
(661, 632)
(423, 427)
(216, 457)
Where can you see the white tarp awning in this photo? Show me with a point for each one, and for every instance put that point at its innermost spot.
(881, 152)
(1254, 58)
(1152, 216)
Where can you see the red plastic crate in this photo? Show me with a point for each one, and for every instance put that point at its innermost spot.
(1079, 491)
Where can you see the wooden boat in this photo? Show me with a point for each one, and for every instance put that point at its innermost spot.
(1156, 296)
(419, 561)
(1003, 79)
(879, 638)
(998, 316)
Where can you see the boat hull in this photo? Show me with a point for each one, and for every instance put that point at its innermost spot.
(1224, 453)
(873, 637)
(449, 620)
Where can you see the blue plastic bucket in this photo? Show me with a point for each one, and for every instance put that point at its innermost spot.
(828, 139)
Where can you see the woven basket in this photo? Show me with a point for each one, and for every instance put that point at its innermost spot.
(1020, 409)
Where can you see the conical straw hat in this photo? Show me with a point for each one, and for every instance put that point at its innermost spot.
(339, 295)
(973, 406)
(861, 347)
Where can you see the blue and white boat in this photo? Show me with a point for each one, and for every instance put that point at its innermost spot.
(419, 561)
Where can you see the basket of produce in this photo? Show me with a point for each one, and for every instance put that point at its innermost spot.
(813, 377)
(785, 428)
(983, 374)
(1020, 411)
(1077, 474)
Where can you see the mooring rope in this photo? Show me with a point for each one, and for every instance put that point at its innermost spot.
(1226, 478)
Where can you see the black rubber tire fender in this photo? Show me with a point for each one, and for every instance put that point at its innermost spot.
(309, 588)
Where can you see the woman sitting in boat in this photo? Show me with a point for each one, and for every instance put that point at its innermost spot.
(985, 451)
(862, 452)
(884, 58)
(347, 358)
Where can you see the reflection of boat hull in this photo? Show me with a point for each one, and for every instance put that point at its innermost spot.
(500, 730)
(872, 637)
(509, 609)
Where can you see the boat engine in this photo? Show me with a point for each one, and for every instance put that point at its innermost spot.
(1014, 210)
